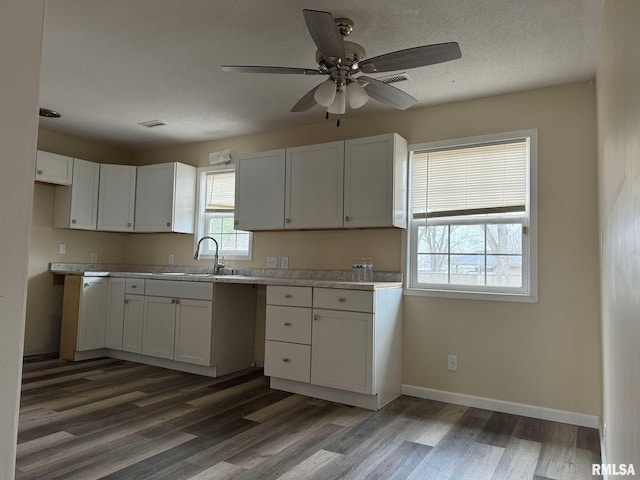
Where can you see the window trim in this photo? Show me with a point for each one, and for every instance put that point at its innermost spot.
(528, 294)
(201, 190)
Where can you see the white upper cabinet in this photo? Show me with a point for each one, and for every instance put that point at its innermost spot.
(375, 181)
(76, 206)
(54, 168)
(314, 186)
(165, 198)
(116, 204)
(260, 191)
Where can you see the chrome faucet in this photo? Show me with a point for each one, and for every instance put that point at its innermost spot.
(217, 265)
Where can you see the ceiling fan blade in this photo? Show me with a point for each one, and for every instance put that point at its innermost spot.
(412, 58)
(325, 34)
(306, 102)
(386, 93)
(278, 70)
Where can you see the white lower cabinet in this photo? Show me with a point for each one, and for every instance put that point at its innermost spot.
(194, 325)
(115, 314)
(133, 319)
(93, 313)
(336, 344)
(158, 327)
(342, 349)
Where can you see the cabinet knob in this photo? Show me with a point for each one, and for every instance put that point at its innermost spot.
(134, 286)
(286, 360)
(347, 218)
(173, 300)
(288, 295)
(287, 324)
(126, 301)
(177, 301)
(39, 172)
(342, 300)
(168, 224)
(235, 222)
(128, 224)
(287, 220)
(73, 220)
(315, 317)
(86, 285)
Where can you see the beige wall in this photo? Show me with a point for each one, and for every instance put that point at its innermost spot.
(619, 188)
(20, 37)
(545, 354)
(44, 300)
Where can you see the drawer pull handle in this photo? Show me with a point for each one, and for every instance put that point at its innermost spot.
(286, 360)
(287, 324)
(126, 301)
(168, 224)
(315, 317)
(347, 219)
(288, 295)
(39, 172)
(177, 300)
(86, 285)
(128, 224)
(73, 220)
(173, 300)
(342, 299)
(134, 286)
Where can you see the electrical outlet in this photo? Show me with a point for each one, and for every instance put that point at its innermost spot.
(62, 249)
(170, 259)
(284, 262)
(272, 262)
(94, 258)
(452, 363)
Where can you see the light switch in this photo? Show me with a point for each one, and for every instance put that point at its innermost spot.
(62, 249)
(272, 262)
(94, 258)
(284, 262)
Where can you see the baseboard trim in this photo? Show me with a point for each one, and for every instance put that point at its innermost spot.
(542, 413)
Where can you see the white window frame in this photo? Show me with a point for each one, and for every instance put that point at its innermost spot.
(529, 291)
(200, 213)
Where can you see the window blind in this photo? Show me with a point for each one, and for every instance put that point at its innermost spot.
(220, 192)
(479, 179)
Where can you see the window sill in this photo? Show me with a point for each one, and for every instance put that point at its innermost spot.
(464, 295)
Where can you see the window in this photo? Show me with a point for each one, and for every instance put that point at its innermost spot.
(472, 219)
(216, 203)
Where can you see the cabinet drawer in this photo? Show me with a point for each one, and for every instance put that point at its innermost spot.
(134, 285)
(337, 299)
(291, 296)
(180, 289)
(288, 324)
(287, 360)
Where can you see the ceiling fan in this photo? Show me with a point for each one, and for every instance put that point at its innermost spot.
(341, 60)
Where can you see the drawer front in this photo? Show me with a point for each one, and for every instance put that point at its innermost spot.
(180, 289)
(287, 360)
(289, 296)
(348, 300)
(288, 324)
(134, 285)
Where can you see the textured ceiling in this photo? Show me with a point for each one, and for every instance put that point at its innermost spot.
(108, 65)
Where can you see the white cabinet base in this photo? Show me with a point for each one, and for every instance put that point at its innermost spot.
(370, 402)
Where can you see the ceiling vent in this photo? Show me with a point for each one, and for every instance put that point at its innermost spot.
(152, 123)
(398, 77)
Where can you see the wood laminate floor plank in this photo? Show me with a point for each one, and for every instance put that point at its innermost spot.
(112, 419)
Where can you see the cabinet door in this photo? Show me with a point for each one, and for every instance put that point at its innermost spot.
(133, 319)
(54, 168)
(158, 328)
(76, 205)
(93, 313)
(194, 322)
(116, 202)
(154, 198)
(115, 314)
(368, 182)
(260, 191)
(314, 186)
(342, 350)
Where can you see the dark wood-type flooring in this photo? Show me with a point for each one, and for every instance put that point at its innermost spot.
(112, 419)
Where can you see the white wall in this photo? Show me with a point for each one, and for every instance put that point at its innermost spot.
(20, 39)
(618, 80)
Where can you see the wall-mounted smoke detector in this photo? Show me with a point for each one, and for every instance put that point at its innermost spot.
(398, 77)
(152, 123)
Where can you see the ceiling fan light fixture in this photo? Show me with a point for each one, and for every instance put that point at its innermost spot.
(325, 93)
(339, 105)
(356, 95)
